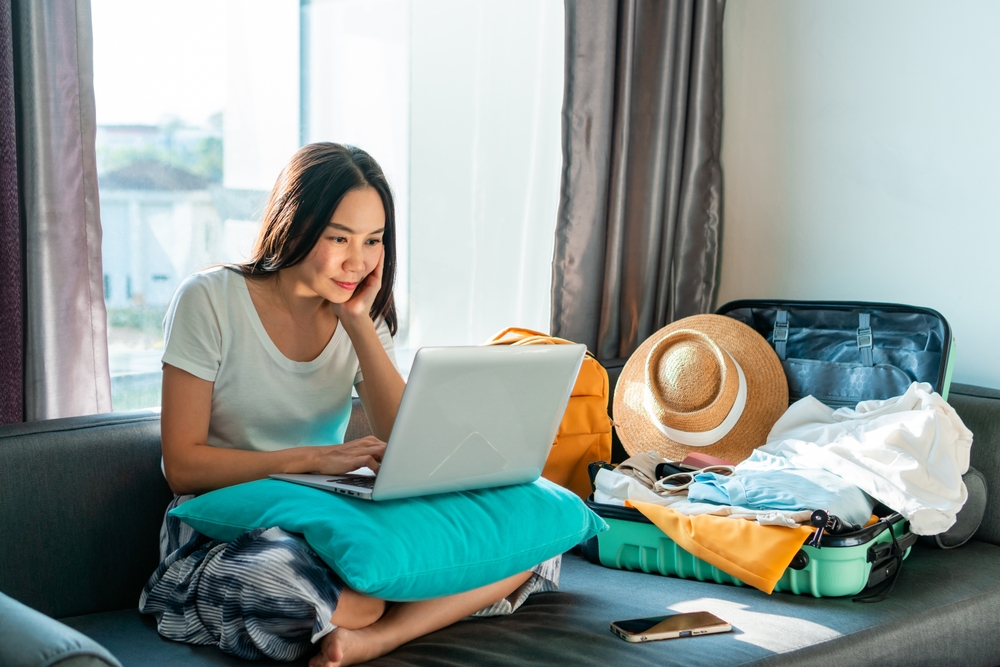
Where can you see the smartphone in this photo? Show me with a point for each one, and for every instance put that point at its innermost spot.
(651, 629)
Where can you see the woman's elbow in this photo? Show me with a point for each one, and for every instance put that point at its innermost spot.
(177, 486)
(177, 480)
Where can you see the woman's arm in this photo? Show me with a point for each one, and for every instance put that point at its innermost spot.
(193, 466)
(382, 387)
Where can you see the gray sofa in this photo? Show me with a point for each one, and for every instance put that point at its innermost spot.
(81, 502)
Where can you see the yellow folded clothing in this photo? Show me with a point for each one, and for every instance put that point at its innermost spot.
(756, 555)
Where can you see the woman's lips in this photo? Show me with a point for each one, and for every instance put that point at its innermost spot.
(346, 286)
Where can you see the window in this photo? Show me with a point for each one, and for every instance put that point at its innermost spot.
(200, 103)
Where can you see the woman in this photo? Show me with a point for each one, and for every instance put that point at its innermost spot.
(258, 364)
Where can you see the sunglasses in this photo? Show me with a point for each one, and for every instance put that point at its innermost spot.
(679, 482)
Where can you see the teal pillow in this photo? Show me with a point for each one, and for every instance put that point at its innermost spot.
(410, 549)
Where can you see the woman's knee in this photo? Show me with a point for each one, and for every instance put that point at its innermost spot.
(355, 610)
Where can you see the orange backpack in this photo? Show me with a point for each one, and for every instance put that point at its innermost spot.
(585, 431)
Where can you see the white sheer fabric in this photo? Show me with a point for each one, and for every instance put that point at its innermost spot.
(460, 101)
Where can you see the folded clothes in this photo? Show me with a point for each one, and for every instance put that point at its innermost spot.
(756, 555)
(614, 488)
(785, 490)
(642, 466)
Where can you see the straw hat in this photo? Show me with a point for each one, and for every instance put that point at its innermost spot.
(706, 383)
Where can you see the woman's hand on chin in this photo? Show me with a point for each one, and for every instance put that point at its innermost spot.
(339, 459)
(359, 306)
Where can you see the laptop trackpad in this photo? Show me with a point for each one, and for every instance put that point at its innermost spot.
(473, 457)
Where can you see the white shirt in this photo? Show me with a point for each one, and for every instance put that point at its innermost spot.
(261, 400)
(909, 452)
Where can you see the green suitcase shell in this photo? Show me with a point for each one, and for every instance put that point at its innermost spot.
(842, 565)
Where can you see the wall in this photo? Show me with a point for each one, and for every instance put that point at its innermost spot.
(860, 149)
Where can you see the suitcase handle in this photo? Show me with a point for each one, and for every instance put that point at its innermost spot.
(887, 560)
(879, 553)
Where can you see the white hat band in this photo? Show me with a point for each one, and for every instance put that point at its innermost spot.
(705, 438)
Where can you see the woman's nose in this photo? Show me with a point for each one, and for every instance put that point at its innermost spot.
(355, 260)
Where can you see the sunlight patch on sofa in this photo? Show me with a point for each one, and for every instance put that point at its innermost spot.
(772, 632)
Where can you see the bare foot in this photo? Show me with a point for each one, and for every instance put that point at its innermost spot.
(344, 647)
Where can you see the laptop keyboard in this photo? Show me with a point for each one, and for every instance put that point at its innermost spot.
(364, 481)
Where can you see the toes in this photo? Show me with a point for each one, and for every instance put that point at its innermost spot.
(336, 653)
(320, 660)
(323, 658)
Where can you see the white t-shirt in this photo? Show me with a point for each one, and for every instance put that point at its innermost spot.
(261, 400)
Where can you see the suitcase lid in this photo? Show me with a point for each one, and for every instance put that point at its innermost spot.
(844, 352)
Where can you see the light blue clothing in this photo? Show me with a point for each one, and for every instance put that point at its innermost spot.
(786, 490)
(759, 461)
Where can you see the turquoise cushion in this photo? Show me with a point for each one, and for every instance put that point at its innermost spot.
(411, 549)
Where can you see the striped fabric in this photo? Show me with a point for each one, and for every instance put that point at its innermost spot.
(544, 578)
(266, 594)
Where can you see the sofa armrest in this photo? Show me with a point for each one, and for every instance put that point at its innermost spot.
(82, 501)
(979, 408)
(29, 638)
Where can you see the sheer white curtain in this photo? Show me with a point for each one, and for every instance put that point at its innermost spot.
(460, 100)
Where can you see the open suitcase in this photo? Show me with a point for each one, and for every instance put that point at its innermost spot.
(841, 353)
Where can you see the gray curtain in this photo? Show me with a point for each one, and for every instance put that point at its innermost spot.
(66, 350)
(638, 232)
(11, 280)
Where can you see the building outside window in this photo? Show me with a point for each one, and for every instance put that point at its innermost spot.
(201, 102)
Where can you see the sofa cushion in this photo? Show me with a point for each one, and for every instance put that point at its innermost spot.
(939, 613)
(29, 638)
(133, 639)
(407, 549)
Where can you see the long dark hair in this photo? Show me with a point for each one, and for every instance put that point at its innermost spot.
(301, 204)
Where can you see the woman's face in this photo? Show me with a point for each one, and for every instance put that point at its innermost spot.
(347, 251)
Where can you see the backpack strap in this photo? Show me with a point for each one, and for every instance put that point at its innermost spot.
(519, 336)
(511, 335)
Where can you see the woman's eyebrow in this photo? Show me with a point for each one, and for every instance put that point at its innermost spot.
(345, 228)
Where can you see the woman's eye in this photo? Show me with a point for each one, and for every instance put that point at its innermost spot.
(337, 239)
(374, 241)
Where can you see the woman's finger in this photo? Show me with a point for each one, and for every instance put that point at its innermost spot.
(367, 440)
(368, 447)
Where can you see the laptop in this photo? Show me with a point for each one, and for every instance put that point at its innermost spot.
(470, 418)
